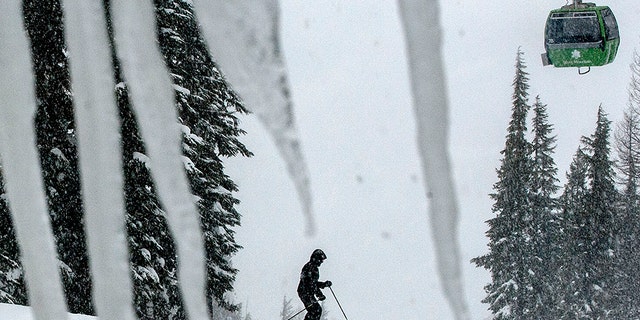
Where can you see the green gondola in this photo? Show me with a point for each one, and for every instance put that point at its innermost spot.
(580, 35)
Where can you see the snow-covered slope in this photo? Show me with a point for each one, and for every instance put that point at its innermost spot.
(16, 312)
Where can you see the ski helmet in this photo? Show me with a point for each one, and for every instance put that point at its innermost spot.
(318, 255)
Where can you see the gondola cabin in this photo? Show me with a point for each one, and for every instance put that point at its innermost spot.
(580, 35)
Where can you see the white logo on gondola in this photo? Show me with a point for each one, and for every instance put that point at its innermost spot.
(576, 54)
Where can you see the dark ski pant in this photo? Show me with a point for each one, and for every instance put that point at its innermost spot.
(314, 311)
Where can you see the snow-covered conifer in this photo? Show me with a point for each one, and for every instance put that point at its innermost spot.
(12, 286)
(55, 130)
(510, 237)
(545, 227)
(627, 144)
(208, 114)
(590, 212)
(571, 305)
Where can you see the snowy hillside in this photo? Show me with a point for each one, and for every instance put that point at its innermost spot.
(15, 312)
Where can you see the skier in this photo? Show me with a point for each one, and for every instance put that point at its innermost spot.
(309, 286)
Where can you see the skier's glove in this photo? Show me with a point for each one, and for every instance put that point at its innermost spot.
(321, 297)
(327, 283)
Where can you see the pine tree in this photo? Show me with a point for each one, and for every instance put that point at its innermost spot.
(574, 241)
(627, 142)
(55, 131)
(628, 278)
(151, 248)
(288, 311)
(55, 135)
(510, 233)
(546, 225)
(590, 212)
(601, 208)
(224, 314)
(207, 109)
(12, 286)
(208, 112)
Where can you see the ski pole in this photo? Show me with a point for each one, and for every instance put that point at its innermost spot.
(334, 296)
(299, 312)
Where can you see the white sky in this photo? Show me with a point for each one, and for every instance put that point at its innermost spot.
(352, 102)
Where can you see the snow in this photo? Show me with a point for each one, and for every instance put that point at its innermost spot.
(187, 132)
(142, 158)
(505, 311)
(59, 154)
(16, 312)
(182, 89)
(188, 164)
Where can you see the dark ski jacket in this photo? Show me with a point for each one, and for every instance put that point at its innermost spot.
(309, 285)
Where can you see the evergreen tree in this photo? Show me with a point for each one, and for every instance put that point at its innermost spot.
(601, 209)
(208, 112)
(207, 109)
(510, 234)
(590, 213)
(224, 314)
(572, 264)
(152, 251)
(546, 225)
(288, 311)
(627, 280)
(627, 142)
(12, 286)
(55, 130)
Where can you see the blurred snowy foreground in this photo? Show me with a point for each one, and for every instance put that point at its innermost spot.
(16, 312)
